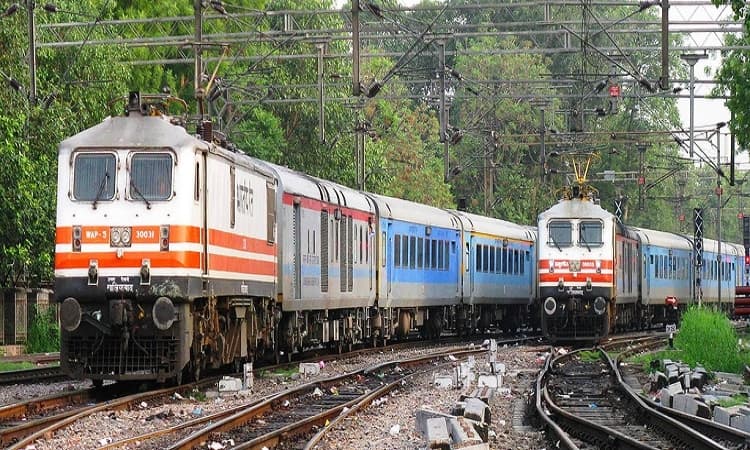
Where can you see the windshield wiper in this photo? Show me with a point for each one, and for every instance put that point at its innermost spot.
(140, 194)
(554, 241)
(583, 239)
(102, 185)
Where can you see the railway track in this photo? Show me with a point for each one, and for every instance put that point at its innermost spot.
(285, 416)
(32, 420)
(296, 412)
(729, 437)
(33, 375)
(581, 397)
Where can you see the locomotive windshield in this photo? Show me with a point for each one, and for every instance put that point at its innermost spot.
(560, 233)
(591, 233)
(94, 177)
(151, 176)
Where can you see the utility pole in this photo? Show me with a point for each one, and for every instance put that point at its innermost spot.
(198, 69)
(443, 119)
(641, 175)
(720, 259)
(359, 136)
(355, 48)
(664, 79)
(488, 176)
(321, 46)
(30, 6)
(692, 59)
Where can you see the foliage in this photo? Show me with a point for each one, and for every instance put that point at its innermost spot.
(735, 400)
(645, 359)
(590, 355)
(707, 337)
(8, 366)
(43, 333)
(69, 100)
(499, 158)
(198, 395)
(734, 76)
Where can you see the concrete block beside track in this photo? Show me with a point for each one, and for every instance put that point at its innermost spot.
(437, 433)
(724, 415)
(484, 393)
(679, 402)
(424, 414)
(493, 381)
(309, 369)
(464, 435)
(478, 410)
(741, 422)
(230, 384)
(665, 398)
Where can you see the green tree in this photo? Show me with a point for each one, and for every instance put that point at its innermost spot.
(733, 77)
(74, 87)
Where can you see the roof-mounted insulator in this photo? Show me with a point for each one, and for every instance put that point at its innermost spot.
(134, 102)
(206, 130)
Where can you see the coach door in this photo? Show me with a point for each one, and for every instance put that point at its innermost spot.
(296, 225)
(388, 257)
(199, 196)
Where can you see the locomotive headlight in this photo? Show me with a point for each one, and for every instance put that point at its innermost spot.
(560, 285)
(588, 284)
(120, 236)
(115, 234)
(600, 305)
(70, 314)
(552, 266)
(163, 313)
(550, 306)
(598, 266)
(125, 236)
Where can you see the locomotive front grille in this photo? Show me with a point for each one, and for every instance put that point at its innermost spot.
(87, 355)
(575, 326)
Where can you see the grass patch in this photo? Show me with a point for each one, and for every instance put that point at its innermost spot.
(8, 366)
(706, 337)
(736, 399)
(280, 372)
(645, 359)
(198, 395)
(44, 333)
(590, 356)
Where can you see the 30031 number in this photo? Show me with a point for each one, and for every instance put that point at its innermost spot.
(145, 234)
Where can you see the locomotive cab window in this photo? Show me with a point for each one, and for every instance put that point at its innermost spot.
(590, 234)
(560, 233)
(94, 177)
(150, 176)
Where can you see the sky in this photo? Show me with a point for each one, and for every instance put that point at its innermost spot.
(707, 112)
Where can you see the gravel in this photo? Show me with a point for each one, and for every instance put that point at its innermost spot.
(375, 427)
(110, 426)
(19, 392)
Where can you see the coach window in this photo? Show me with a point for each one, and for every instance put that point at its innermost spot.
(151, 176)
(94, 177)
(420, 253)
(397, 251)
(590, 233)
(412, 252)
(560, 233)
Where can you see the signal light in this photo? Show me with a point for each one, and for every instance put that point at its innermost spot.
(747, 260)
